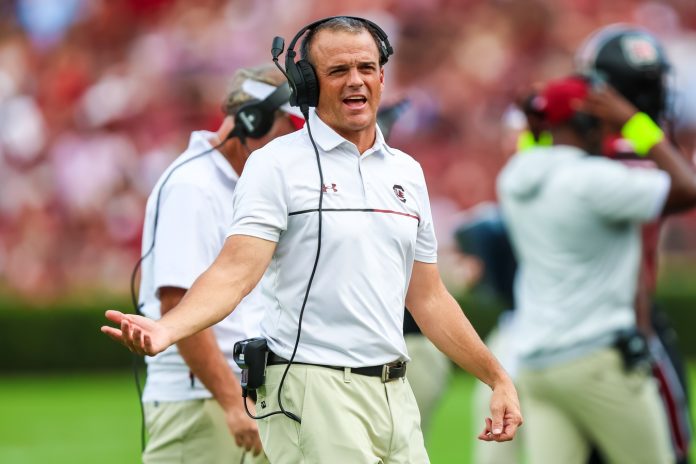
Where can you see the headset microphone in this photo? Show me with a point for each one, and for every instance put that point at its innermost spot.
(277, 49)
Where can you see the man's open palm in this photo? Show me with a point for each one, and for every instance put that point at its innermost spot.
(137, 333)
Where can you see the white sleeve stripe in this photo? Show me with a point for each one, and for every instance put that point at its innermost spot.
(253, 232)
(428, 259)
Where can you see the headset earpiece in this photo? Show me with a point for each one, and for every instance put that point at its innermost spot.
(252, 120)
(305, 88)
(310, 93)
(255, 118)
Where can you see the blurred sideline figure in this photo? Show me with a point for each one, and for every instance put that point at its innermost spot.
(632, 61)
(574, 222)
(644, 85)
(429, 369)
(192, 399)
(483, 235)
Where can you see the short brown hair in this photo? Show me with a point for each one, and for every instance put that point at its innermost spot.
(339, 23)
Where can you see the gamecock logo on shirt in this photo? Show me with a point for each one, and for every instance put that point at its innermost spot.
(399, 192)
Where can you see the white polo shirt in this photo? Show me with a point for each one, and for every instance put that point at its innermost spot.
(194, 215)
(574, 223)
(376, 221)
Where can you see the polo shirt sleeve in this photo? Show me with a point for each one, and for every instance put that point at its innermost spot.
(626, 194)
(186, 242)
(426, 243)
(260, 200)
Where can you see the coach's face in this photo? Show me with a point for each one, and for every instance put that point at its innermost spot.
(350, 83)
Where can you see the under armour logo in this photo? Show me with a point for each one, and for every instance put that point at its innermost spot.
(263, 404)
(248, 119)
(325, 188)
(399, 192)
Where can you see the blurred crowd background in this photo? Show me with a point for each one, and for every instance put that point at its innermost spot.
(97, 97)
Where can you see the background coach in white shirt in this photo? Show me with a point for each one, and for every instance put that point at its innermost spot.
(378, 253)
(191, 399)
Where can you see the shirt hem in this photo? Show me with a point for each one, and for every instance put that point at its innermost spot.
(254, 233)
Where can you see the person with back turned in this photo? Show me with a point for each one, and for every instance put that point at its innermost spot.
(634, 62)
(574, 222)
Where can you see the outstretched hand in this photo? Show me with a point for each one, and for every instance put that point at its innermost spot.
(137, 333)
(506, 415)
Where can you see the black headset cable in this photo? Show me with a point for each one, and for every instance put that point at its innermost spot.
(305, 113)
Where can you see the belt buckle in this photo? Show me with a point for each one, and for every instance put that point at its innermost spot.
(386, 370)
(385, 373)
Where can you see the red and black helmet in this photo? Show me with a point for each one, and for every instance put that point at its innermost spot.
(632, 61)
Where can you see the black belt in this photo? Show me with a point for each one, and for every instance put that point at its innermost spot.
(386, 372)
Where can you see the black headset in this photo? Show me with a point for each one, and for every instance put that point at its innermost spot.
(301, 74)
(255, 118)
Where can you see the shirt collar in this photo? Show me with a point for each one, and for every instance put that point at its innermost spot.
(200, 141)
(328, 139)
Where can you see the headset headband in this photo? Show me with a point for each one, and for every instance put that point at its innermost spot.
(276, 99)
(385, 47)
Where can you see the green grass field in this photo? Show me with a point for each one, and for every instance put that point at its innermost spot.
(95, 418)
(69, 419)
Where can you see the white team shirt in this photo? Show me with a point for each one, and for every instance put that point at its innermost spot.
(194, 215)
(574, 221)
(376, 221)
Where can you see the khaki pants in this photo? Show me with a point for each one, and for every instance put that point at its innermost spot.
(593, 399)
(428, 373)
(346, 418)
(194, 431)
